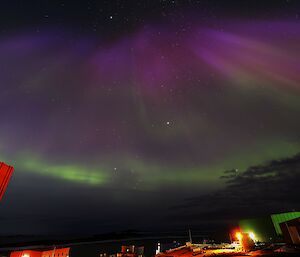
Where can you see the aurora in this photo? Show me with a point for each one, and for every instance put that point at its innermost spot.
(153, 116)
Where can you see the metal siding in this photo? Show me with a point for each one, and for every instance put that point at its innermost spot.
(5, 174)
(26, 253)
(59, 252)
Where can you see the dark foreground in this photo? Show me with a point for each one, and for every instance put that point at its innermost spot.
(95, 249)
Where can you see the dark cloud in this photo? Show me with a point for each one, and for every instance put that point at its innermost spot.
(263, 189)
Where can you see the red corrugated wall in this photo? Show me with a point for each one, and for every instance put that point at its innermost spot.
(62, 252)
(26, 253)
(5, 174)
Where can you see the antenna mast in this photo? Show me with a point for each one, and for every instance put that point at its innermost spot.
(190, 236)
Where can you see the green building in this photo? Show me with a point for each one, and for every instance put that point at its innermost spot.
(267, 229)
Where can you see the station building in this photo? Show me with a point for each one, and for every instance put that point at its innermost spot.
(62, 252)
(26, 253)
(5, 175)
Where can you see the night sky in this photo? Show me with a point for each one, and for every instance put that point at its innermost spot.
(148, 115)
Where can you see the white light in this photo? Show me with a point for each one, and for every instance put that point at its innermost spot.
(252, 236)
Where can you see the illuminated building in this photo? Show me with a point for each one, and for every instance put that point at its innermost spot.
(62, 252)
(267, 229)
(245, 240)
(5, 174)
(187, 250)
(26, 253)
(127, 251)
(131, 251)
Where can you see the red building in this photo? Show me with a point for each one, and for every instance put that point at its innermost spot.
(26, 253)
(62, 252)
(5, 174)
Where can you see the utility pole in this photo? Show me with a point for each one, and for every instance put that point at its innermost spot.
(190, 236)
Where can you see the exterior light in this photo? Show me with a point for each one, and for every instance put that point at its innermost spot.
(252, 236)
(239, 236)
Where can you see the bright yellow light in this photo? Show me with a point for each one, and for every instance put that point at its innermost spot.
(252, 236)
(25, 255)
(239, 236)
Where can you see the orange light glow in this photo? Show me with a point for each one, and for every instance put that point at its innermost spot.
(239, 236)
